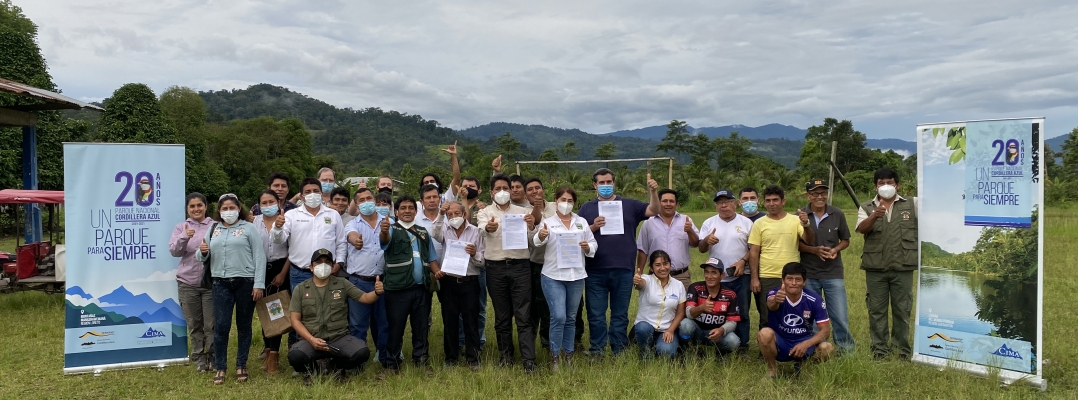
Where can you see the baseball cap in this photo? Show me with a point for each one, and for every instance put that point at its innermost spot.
(815, 183)
(321, 253)
(712, 262)
(724, 193)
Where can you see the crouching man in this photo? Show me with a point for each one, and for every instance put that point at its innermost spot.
(792, 311)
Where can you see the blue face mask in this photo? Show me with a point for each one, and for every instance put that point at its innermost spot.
(328, 187)
(605, 191)
(270, 211)
(367, 208)
(749, 207)
(382, 210)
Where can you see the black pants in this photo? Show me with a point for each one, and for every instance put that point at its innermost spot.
(578, 337)
(540, 312)
(510, 288)
(401, 306)
(229, 293)
(460, 301)
(272, 269)
(354, 352)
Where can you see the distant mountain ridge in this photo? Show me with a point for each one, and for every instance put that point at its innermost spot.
(761, 133)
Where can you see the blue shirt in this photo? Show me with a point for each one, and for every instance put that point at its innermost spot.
(370, 260)
(615, 251)
(417, 263)
(793, 321)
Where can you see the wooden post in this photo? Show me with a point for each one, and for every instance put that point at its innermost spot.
(518, 168)
(670, 177)
(831, 178)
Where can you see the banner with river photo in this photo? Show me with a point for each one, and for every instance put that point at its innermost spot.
(979, 298)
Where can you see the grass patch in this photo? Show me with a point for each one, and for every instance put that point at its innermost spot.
(32, 337)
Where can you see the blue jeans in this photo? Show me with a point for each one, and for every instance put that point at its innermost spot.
(834, 294)
(743, 287)
(296, 276)
(229, 293)
(613, 288)
(562, 299)
(482, 311)
(646, 336)
(692, 333)
(362, 316)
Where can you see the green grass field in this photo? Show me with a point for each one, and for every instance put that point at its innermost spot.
(31, 336)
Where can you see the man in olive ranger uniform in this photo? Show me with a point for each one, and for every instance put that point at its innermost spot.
(889, 223)
(319, 314)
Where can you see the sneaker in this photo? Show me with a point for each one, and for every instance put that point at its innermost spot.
(529, 367)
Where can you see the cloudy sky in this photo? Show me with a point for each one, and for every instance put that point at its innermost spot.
(594, 65)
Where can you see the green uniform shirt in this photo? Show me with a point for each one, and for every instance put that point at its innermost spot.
(324, 311)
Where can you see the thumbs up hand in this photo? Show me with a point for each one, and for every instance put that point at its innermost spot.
(497, 164)
(492, 225)
(710, 239)
(358, 242)
(544, 233)
(204, 247)
(385, 225)
(652, 185)
(688, 225)
(444, 209)
(781, 294)
(378, 287)
(190, 232)
(638, 280)
(280, 220)
(803, 216)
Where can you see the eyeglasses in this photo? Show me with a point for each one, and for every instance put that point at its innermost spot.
(817, 194)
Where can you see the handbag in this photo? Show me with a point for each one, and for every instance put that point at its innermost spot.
(207, 275)
(273, 313)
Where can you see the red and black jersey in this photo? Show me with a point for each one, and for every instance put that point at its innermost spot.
(726, 308)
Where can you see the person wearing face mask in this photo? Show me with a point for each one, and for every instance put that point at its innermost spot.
(469, 198)
(238, 267)
(889, 223)
(383, 205)
(660, 310)
(327, 178)
(749, 199)
(610, 272)
(563, 286)
(278, 183)
(459, 295)
(365, 265)
(508, 277)
(319, 313)
(411, 271)
(195, 301)
(276, 269)
(727, 240)
(540, 209)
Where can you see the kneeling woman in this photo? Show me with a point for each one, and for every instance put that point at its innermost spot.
(237, 263)
(661, 308)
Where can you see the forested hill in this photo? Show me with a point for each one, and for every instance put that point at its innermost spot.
(540, 137)
(352, 137)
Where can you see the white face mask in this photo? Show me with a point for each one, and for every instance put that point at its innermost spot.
(312, 200)
(145, 186)
(456, 222)
(407, 225)
(501, 197)
(322, 270)
(564, 207)
(886, 191)
(230, 217)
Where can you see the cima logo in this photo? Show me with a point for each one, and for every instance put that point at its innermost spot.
(152, 333)
(1004, 351)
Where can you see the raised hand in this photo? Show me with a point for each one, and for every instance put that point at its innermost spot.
(652, 185)
(688, 225)
(204, 247)
(638, 280)
(280, 219)
(190, 232)
(444, 209)
(544, 233)
(385, 225)
(452, 149)
(711, 239)
(497, 164)
(781, 294)
(378, 287)
(801, 214)
(492, 225)
(363, 183)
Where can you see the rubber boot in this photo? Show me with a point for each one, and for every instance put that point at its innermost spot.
(271, 362)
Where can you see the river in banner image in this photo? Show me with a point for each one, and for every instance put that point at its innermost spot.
(977, 303)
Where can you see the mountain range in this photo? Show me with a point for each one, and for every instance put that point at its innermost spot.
(124, 303)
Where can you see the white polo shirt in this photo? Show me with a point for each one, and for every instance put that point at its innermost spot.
(658, 304)
(305, 232)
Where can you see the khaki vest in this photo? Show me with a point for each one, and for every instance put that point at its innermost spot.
(891, 245)
(325, 317)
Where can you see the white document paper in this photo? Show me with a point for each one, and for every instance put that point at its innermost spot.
(514, 232)
(456, 259)
(570, 255)
(611, 212)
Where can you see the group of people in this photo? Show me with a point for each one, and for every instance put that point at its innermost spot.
(363, 261)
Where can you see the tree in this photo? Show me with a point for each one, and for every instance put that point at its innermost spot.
(133, 115)
(570, 151)
(817, 150)
(186, 112)
(249, 150)
(1070, 154)
(732, 152)
(677, 139)
(606, 151)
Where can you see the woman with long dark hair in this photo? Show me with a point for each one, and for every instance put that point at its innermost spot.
(195, 301)
(276, 268)
(661, 308)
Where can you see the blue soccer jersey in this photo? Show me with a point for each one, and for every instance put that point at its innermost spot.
(793, 321)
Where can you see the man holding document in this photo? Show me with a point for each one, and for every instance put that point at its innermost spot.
(505, 228)
(567, 240)
(459, 294)
(610, 272)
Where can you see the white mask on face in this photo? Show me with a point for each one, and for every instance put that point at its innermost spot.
(312, 200)
(230, 216)
(456, 222)
(564, 207)
(886, 191)
(322, 270)
(501, 197)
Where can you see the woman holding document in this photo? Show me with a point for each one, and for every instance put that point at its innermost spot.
(568, 240)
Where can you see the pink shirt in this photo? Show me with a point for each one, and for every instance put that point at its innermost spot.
(190, 270)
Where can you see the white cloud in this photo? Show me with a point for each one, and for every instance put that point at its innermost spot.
(597, 66)
(80, 301)
(157, 276)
